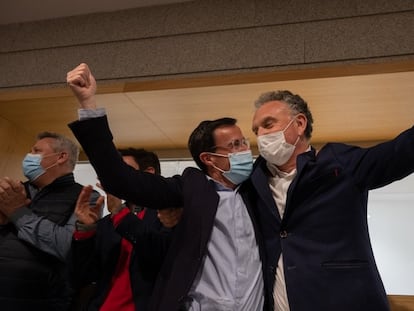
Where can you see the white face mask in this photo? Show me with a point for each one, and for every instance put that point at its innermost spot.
(274, 148)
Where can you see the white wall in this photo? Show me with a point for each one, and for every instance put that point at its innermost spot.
(85, 174)
(390, 220)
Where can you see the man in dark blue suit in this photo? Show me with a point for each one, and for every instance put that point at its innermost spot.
(312, 208)
(215, 261)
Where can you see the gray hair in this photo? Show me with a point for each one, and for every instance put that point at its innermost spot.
(62, 143)
(295, 103)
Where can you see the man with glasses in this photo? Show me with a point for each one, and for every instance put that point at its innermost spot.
(215, 259)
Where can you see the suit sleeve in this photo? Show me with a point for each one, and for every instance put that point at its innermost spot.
(381, 164)
(117, 177)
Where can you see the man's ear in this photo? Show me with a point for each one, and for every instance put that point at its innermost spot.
(63, 157)
(301, 122)
(205, 157)
(150, 169)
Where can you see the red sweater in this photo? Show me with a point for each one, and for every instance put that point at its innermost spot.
(120, 294)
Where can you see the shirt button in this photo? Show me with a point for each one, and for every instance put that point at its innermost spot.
(283, 234)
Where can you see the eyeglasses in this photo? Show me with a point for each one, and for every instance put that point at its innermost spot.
(235, 145)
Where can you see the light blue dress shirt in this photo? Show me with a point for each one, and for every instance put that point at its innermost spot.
(230, 277)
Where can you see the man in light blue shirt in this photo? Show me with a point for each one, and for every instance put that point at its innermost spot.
(215, 259)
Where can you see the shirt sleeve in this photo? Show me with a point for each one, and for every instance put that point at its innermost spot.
(85, 114)
(43, 233)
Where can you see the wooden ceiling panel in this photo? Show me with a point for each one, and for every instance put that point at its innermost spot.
(361, 108)
(356, 109)
(130, 125)
(351, 109)
(32, 116)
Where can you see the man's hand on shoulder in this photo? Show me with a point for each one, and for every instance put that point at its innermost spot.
(169, 217)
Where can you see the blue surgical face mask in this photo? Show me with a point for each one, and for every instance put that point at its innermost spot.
(241, 165)
(32, 168)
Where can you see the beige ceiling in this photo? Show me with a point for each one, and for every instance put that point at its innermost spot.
(351, 108)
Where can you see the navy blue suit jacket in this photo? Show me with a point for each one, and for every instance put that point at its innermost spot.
(328, 260)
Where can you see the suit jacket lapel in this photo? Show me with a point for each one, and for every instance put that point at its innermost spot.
(302, 160)
(260, 179)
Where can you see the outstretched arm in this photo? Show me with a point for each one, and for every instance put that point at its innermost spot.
(117, 177)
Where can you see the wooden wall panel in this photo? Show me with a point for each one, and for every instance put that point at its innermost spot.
(14, 145)
(401, 302)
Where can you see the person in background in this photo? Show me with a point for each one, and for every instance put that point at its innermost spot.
(117, 273)
(37, 227)
(312, 208)
(215, 258)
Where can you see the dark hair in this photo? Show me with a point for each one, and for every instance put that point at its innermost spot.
(62, 143)
(144, 158)
(295, 103)
(202, 138)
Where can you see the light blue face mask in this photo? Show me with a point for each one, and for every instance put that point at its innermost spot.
(241, 166)
(31, 166)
